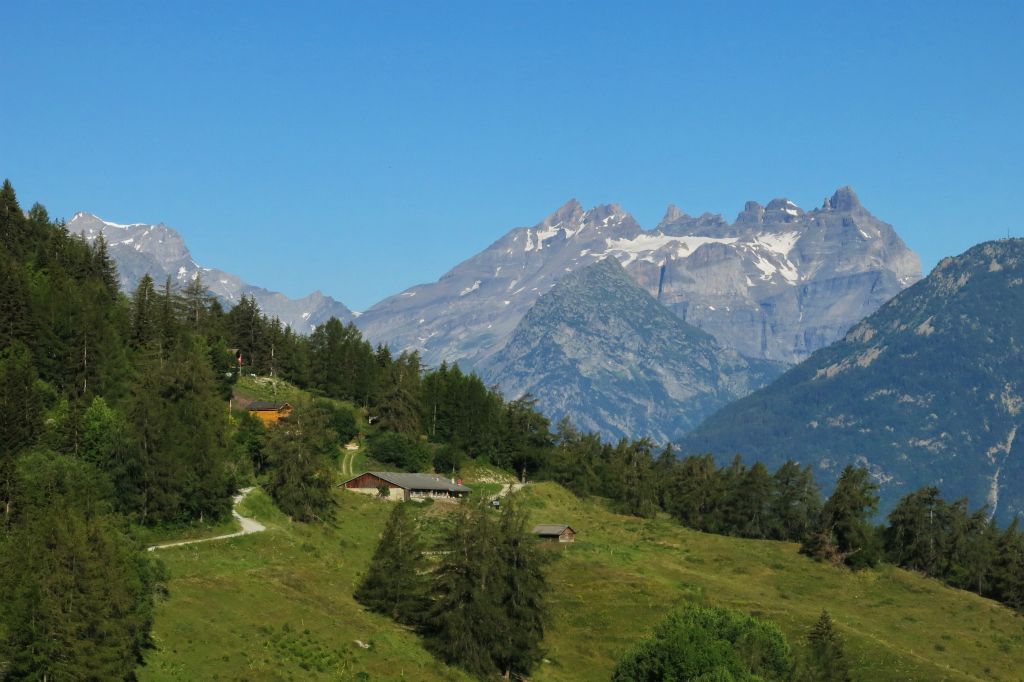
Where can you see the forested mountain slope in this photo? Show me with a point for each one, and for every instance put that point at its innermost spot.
(928, 390)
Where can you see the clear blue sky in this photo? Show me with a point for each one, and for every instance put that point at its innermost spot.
(363, 148)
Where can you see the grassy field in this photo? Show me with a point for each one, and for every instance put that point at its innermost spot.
(278, 606)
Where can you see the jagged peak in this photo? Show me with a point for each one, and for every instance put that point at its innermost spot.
(844, 199)
(672, 214)
(752, 212)
(571, 211)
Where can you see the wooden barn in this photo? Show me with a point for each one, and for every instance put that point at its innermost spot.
(555, 532)
(407, 486)
(270, 413)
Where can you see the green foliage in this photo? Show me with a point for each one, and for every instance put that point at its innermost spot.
(400, 451)
(489, 606)
(825, 660)
(844, 533)
(299, 478)
(706, 643)
(448, 459)
(395, 583)
(180, 424)
(76, 591)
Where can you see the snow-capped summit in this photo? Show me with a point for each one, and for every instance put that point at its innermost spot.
(777, 284)
(160, 251)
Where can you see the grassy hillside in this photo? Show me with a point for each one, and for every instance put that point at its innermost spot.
(278, 605)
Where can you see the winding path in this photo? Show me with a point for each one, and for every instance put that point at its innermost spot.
(249, 526)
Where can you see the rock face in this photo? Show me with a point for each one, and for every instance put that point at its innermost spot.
(928, 390)
(160, 251)
(778, 283)
(601, 350)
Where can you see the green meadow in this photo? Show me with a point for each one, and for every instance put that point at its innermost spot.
(278, 605)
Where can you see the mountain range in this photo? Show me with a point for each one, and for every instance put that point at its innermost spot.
(158, 250)
(777, 283)
(929, 390)
(768, 289)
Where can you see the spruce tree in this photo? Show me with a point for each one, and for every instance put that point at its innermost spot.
(844, 533)
(825, 661)
(300, 478)
(395, 583)
(76, 591)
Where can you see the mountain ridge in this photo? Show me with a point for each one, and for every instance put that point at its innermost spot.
(777, 283)
(599, 349)
(926, 391)
(160, 251)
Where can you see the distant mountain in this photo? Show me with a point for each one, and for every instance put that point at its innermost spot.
(928, 390)
(778, 283)
(160, 251)
(603, 351)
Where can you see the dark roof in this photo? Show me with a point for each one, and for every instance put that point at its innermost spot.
(551, 529)
(265, 406)
(418, 481)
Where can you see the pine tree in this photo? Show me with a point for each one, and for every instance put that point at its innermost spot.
(21, 416)
(76, 592)
(844, 532)
(826, 661)
(395, 582)
(796, 503)
(300, 478)
(466, 620)
(524, 589)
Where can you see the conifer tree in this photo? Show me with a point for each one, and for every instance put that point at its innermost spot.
(76, 592)
(300, 478)
(825, 661)
(395, 583)
(844, 533)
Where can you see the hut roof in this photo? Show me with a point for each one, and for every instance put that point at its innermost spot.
(418, 481)
(265, 406)
(551, 529)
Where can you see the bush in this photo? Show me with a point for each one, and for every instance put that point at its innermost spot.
(400, 451)
(448, 458)
(705, 643)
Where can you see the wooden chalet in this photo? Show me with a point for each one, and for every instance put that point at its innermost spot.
(270, 413)
(555, 532)
(407, 486)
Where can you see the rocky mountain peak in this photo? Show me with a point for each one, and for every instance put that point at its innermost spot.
(570, 212)
(844, 199)
(752, 214)
(673, 214)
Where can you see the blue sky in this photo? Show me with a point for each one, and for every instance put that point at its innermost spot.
(362, 148)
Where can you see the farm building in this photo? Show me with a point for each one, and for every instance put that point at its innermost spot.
(270, 413)
(407, 486)
(554, 531)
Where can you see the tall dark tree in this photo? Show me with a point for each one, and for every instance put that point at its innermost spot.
(300, 479)
(395, 583)
(76, 591)
(796, 502)
(21, 415)
(844, 532)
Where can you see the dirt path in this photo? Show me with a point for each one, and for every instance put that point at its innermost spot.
(249, 526)
(508, 489)
(348, 458)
